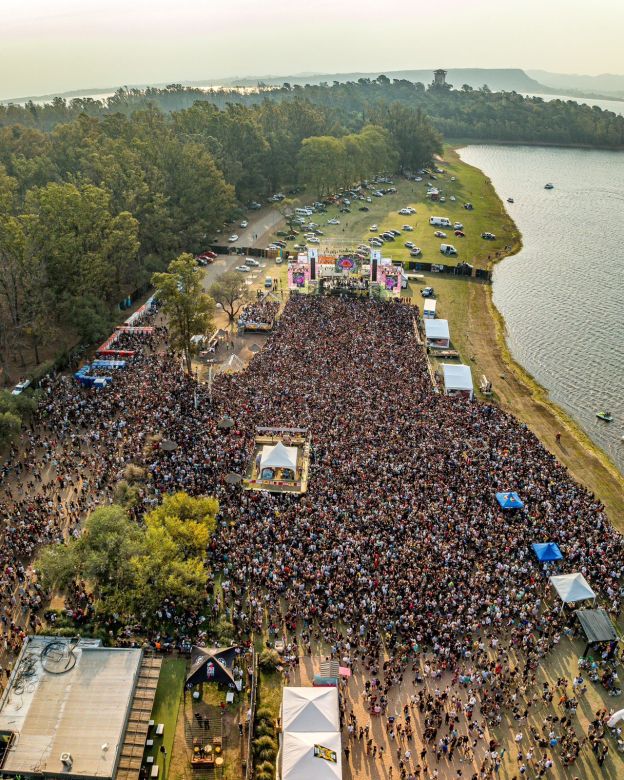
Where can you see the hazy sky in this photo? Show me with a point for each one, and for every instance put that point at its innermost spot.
(57, 45)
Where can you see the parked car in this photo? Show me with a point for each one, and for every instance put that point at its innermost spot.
(395, 232)
(488, 236)
(363, 208)
(333, 221)
(458, 226)
(427, 292)
(254, 205)
(20, 387)
(409, 244)
(373, 228)
(407, 227)
(233, 238)
(243, 269)
(252, 262)
(244, 224)
(416, 252)
(460, 234)
(439, 234)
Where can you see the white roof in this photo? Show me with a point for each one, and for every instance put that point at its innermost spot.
(430, 304)
(278, 457)
(310, 709)
(437, 329)
(572, 587)
(71, 699)
(457, 377)
(299, 761)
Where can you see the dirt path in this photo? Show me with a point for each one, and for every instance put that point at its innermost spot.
(517, 393)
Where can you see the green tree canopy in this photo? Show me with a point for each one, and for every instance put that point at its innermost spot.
(188, 308)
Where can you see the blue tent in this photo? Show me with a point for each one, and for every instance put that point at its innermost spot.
(547, 551)
(509, 500)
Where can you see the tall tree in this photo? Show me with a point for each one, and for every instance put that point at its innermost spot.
(232, 293)
(188, 308)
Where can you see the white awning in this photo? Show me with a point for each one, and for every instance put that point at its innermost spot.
(312, 756)
(310, 709)
(457, 377)
(278, 457)
(572, 587)
(437, 329)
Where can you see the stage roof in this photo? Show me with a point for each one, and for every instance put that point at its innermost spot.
(68, 698)
(597, 625)
(278, 457)
(310, 709)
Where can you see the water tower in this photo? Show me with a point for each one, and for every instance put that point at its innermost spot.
(439, 78)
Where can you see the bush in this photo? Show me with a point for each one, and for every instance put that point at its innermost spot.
(267, 754)
(265, 729)
(264, 714)
(133, 473)
(264, 743)
(224, 629)
(265, 775)
(269, 660)
(10, 425)
(266, 766)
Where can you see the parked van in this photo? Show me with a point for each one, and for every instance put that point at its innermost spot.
(440, 222)
(304, 212)
(429, 308)
(448, 249)
(268, 282)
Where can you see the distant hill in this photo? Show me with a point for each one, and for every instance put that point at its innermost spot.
(607, 84)
(501, 79)
(497, 79)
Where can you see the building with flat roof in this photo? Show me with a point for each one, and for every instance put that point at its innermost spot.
(66, 711)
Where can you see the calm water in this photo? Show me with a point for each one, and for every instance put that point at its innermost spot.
(617, 106)
(562, 296)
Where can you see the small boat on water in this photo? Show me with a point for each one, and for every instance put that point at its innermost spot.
(549, 186)
(606, 416)
(510, 200)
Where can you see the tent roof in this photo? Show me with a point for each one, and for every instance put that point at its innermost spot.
(572, 587)
(299, 761)
(212, 664)
(310, 709)
(278, 457)
(437, 329)
(457, 377)
(597, 625)
(547, 551)
(509, 500)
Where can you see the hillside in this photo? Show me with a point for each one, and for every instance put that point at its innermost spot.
(607, 84)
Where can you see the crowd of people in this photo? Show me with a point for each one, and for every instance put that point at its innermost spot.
(399, 542)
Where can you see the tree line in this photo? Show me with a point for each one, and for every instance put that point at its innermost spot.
(461, 113)
(92, 207)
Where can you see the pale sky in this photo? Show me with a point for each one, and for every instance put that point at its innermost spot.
(51, 46)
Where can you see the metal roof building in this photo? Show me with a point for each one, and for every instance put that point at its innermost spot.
(68, 710)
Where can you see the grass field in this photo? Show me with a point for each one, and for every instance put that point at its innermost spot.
(166, 706)
(470, 185)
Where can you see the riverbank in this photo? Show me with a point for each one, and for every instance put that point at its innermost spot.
(478, 330)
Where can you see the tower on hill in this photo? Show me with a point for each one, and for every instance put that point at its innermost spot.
(439, 78)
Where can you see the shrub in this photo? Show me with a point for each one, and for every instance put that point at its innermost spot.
(269, 660)
(263, 743)
(265, 729)
(267, 754)
(264, 714)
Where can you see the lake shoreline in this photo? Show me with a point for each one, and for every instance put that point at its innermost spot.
(522, 395)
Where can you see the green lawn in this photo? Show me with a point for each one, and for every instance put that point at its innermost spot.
(470, 185)
(166, 706)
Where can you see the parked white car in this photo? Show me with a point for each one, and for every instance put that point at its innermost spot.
(233, 238)
(244, 224)
(333, 221)
(242, 268)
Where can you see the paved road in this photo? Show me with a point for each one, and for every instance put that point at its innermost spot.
(261, 224)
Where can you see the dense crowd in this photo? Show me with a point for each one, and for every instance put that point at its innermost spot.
(399, 540)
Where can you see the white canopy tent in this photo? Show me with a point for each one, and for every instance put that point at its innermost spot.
(310, 709)
(312, 756)
(572, 587)
(278, 457)
(457, 380)
(437, 333)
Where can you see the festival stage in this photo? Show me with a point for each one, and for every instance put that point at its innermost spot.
(280, 461)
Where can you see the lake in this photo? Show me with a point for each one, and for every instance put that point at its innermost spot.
(562, 296)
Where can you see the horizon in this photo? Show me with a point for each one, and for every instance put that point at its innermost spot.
(77, 48)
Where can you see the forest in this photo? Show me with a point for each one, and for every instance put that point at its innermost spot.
(92, 206)
(459, 113)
